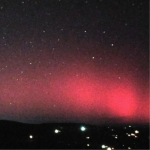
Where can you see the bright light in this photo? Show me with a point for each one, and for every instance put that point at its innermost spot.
(108, 148)
(87, 137)
(136, 131)
(103, 146)
(129, 147)
(88, 144)
(56, 131)
(132, 134)
(31, 136)
(83, 128)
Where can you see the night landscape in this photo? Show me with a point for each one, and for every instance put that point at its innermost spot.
(73, 136)
(74, 74)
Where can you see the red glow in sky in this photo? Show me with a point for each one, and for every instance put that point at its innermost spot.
(123, 101)
(73, 96)
(74, 61)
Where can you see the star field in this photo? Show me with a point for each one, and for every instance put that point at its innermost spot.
(74, 61)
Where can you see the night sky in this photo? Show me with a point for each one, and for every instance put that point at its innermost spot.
(74, 61)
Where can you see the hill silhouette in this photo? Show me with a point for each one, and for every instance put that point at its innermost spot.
(69, 135)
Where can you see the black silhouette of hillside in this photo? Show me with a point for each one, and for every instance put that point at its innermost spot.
(17, 135)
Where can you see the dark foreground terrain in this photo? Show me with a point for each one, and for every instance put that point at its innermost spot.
(69, 135)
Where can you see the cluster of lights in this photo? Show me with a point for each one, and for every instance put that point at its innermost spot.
(83, 128)
(116, 136)
(132, 134)
(106, 147)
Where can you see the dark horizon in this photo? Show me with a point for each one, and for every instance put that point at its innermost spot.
(16, 135)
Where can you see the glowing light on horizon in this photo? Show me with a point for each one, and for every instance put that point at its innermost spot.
(83, 128)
